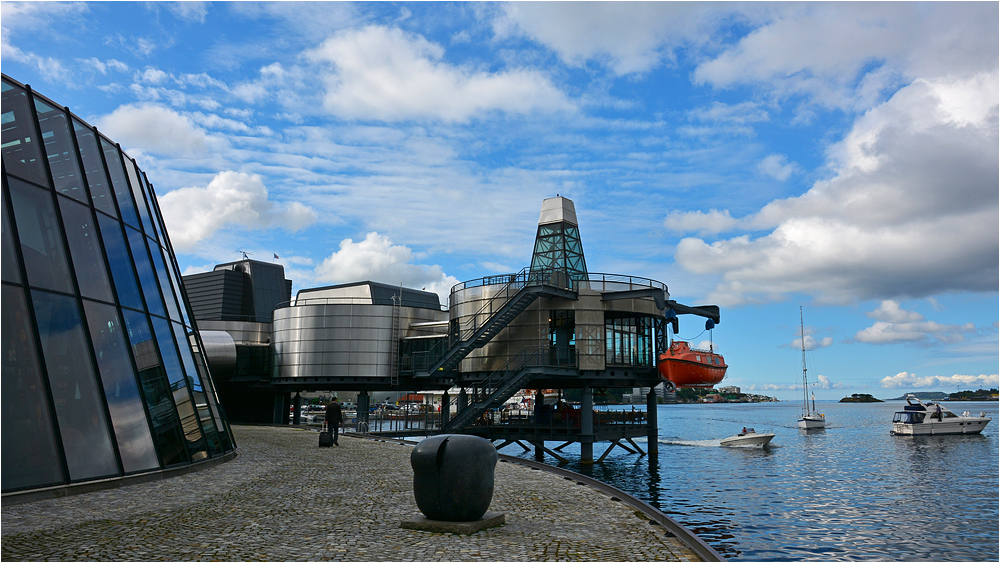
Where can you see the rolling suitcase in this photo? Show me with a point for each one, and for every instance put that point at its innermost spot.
(325, 437)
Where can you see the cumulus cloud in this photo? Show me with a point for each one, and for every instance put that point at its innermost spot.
(376, 258)
(896, 325)
(159, 130)
(811, 343)
(913, 381)
(912, 209)
(194, 214)
(385, 74)
(823, 382)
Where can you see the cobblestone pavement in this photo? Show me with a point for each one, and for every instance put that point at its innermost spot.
(285, 499)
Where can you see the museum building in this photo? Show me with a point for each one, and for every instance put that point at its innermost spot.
(103, 374)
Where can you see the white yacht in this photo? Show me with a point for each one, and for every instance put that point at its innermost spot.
(748, 437)
(810, 418)
(930, 419)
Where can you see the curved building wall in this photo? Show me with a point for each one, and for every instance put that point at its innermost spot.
(99, 378)
(341, 338)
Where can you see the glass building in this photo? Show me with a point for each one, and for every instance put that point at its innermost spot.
(102, 370)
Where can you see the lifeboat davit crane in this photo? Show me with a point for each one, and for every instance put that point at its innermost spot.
(683, 366)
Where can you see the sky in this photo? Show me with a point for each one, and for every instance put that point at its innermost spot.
(839, 157)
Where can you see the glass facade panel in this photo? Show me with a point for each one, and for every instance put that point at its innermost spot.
(22, 152)
(118, 258)
(88, 260)
(202, 406)
(59, 148)
(172, 270)
(140, 198)
(11, 272)
(135, 444)
(155, 390)
(161, 273)
(30, 454)
(82, 423)
(147, 279)
(179, 386)
(97, 180)
(122, 192)
(629, 341)
(147, 189)
(41, 237)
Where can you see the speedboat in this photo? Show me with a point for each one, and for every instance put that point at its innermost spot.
(930, 419)
(748, 437)
(683, 366)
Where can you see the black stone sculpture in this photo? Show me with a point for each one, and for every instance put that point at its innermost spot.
(453, 477)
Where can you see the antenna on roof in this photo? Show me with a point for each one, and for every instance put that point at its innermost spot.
(246, 256)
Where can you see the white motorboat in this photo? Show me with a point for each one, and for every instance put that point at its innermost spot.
(748, 438)
(810, 418)
(930, 419)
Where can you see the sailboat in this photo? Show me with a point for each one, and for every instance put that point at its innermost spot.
(810, 418)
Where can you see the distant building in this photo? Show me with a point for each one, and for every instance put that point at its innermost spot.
(729, 390)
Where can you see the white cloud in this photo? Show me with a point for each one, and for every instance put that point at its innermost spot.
(777, 166)
(823, 382)
(159, 130)
(628, 38)
(897, 325)
(801, 50)
(912, 381)
(188, 10)
(811, 342)
(911, 211)
(384, 74)
(194, 214)
(376, 258)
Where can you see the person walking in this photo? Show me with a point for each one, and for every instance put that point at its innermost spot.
(334, 418)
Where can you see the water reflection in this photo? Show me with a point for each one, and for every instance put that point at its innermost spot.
(850, 492)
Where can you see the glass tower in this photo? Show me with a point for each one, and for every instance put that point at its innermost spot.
(557, 243)
(102, 370)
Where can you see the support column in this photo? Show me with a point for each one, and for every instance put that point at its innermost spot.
(363, 406)
(539, 450)
(297, 414)
(587, 426)
(281, 403)
(651, 432)
(463, 401)
(445, 408)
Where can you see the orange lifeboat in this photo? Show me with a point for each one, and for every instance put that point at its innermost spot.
(682, 366)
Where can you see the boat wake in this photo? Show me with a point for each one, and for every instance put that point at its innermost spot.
(696, 443)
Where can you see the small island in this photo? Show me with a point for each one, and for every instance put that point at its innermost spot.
(860, 398)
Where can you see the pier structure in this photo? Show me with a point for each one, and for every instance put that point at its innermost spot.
(554, 325)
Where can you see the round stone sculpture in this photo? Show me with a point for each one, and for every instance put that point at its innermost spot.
(453, 477)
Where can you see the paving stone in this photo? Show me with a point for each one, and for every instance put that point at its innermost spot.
(285, 499)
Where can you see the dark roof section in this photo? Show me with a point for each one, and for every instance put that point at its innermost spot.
(382, 294)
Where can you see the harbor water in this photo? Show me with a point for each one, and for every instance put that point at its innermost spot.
(851, 492)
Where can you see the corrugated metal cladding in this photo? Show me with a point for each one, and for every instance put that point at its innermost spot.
(247, 290)
(102, 371)
(215, 296)
(373, 293)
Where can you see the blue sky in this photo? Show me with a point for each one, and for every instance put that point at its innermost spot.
(838, 156)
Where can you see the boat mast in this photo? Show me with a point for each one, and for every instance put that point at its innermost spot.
(805, 380)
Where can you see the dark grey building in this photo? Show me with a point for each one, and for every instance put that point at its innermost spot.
(103, 374)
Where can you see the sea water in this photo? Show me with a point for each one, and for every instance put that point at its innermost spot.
(850, 492)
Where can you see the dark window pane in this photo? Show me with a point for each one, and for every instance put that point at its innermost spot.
(41, 237)
(58, 142)
(147, 280)
(88, 260)
(202, 407)
(100, 193)
(22, 153)
(30, 456)
(147, 189)
(177, 288)
(121, 263)
(124, 403)
(11, 272)
(161, 273)
(156, 390)
(122, 192)
(140, 199)
(75, 393)
(213, 400)
(180, 389)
